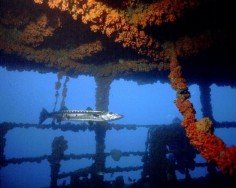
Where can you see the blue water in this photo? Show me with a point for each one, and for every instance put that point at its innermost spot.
(24, 94)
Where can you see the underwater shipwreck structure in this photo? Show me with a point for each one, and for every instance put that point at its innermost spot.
(167, 151)
(158, 168)
(176, 41)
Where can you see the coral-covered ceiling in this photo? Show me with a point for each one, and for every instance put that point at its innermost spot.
(103, 37)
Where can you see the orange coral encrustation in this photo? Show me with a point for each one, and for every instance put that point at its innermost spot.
(109, 21)
(126, 29)
(212, 148)
(35, 32)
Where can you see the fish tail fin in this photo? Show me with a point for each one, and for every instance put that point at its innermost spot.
(43, 116)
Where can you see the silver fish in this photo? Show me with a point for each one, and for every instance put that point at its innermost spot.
(79, 115)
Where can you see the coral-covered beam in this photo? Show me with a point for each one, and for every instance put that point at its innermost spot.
(66, 61)
(59, 59)
(212, 148)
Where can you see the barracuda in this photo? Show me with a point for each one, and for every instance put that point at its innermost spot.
(79, 115)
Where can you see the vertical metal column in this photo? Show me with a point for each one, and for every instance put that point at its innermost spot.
(205, 96)
(102, 103)
(59, 145)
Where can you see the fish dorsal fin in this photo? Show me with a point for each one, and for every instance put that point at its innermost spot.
(63, 108)
(89, 109)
